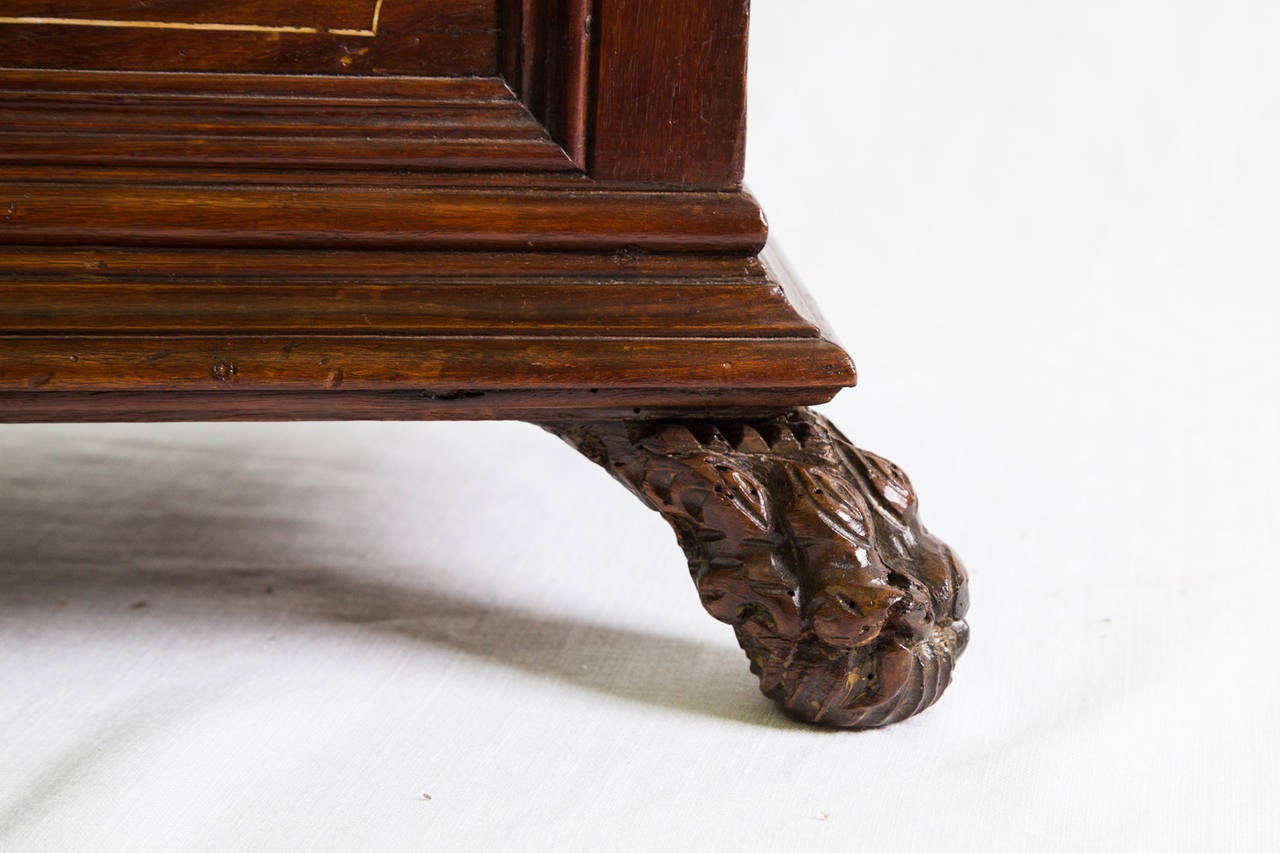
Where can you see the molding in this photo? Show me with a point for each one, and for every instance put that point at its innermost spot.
(244, 122)
(546, 53)
(368, 217)
(428, 334)
(622, 92)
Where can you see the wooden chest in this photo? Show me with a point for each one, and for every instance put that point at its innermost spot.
(425, 209)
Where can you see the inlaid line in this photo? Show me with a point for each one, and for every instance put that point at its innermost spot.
(183, 25)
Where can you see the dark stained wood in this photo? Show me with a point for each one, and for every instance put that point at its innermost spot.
(349, 14)
(638, 92)
(653, 308)
(507, 148)
(421, 405)
(671, 92)
(352, 14)
(851, 613)
(525, 209)
(448, 38)
(275, 175)
(511, 41)
(409, 218)
(568, 100)
(86, 264)
(398, 148)
(40, 86)
(94, 320)
(546, 56)
(248, 121)
(174, 362)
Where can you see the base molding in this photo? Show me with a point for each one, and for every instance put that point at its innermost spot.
(423, 405)
(136, 334)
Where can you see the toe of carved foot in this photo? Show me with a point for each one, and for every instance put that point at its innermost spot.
(883, 682)
(867, 642)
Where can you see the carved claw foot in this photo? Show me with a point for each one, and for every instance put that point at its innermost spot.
(851, 613)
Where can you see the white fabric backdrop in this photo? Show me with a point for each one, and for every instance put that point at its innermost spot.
(1048, 233)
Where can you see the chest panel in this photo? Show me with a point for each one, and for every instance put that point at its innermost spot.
(339, 37)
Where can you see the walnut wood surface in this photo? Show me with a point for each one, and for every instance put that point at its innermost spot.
(377, 216)
(671, 106)
(547, 60)
(632, 92)
(98, 264)
(419, 37)
(440, 307)
(470, 209)
(242, 121)
(851, 613)
(572, 326)
(536, 405)
(813, 368)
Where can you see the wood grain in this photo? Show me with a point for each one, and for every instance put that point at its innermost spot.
(166, 362)
(402, 405)
(475, 209)
(88, 264)
(851, 613)
(446, 38)
(242, 121)
(546, 54)
(376, 216)
(345, 14)
(671, 92)
(669, 330)
(530, 307)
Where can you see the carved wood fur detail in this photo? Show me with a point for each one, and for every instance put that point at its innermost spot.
(851, 613)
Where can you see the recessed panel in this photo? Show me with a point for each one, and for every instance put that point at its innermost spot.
(341, 37)
(359, 17)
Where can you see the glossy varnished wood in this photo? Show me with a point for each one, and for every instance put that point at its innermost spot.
(240, 121)
(337, 37)
(87, 264)
(133, 320)
(464, 209)
(546, 53)
(405, 405)
(671, 105)
(633, 92)
(316, 215)
(814, 369)
(851, 613)
(550, 308)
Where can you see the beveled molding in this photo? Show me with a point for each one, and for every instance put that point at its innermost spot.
(567, 144)
(603, 88)
(423, 38)
(415, 218)
(243, 123)
(228, 334)
(514, 101)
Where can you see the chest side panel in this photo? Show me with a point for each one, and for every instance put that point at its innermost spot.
(339, 37)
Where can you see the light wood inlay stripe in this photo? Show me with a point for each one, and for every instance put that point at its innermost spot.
(181, 25)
